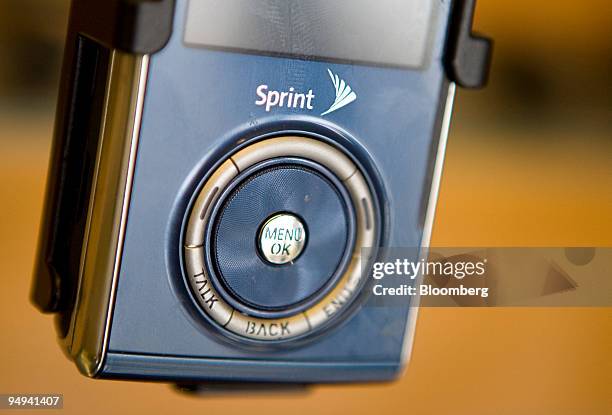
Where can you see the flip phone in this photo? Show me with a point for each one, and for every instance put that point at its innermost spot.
(223, 172)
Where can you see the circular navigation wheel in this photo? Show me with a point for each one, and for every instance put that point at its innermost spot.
(272, 246)
(283, 233)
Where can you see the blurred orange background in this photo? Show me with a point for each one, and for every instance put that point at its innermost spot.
(529, 163)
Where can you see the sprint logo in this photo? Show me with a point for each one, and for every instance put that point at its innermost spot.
(344, 94)
(269, 99)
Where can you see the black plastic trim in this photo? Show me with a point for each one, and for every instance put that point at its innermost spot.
(70, 180)
(133, 26)
(468, 55)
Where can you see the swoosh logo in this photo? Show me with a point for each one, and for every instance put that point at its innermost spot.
(344, 94)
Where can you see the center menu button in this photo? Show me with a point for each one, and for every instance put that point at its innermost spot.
(282, 238)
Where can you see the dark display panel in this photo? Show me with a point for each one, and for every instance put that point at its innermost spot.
(386, 32)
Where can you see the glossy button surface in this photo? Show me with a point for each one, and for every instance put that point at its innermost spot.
(282, 238)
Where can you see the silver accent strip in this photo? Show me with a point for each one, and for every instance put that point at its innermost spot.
(439, 166)
(90, 208)
(142, 82)
(87, 340)
(429, 221)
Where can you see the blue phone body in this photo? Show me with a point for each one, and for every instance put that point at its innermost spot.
(199, 105)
